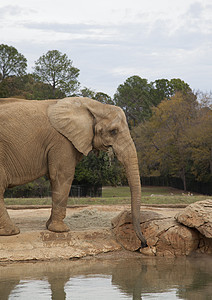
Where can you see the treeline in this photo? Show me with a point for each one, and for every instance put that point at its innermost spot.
(177, 140)
(171, 125)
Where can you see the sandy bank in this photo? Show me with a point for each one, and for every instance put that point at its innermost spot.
(90, 233)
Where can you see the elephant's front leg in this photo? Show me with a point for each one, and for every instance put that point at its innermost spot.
(60, 191)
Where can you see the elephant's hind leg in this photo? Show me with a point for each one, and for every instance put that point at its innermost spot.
(7, 227)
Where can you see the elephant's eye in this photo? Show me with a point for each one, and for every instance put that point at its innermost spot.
(113, 132)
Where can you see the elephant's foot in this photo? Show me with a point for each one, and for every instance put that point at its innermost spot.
(10, 229)
(57, 226)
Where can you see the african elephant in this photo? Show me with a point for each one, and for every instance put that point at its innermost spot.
(50, 137)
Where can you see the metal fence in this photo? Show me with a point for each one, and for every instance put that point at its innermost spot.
(86, 191)
(40, 191)
(192, 185)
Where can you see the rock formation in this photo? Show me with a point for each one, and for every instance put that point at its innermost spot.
(198, 215)
(190, 231)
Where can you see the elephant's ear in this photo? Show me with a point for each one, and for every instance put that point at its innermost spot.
(69, 117)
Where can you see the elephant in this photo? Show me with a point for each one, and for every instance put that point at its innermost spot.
(50, 137)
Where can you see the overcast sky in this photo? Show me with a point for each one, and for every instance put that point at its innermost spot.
(111, 40)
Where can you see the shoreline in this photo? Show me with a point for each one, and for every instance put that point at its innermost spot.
(90, 232)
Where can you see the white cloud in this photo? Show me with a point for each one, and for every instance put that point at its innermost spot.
(112, 40)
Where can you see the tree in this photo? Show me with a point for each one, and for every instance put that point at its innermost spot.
(11, 62)
(86, 92)
(135, 99)
(101, 170)
(163, 141)
(200, 144)
(165, 89)
(99, 96)
(56, 69)
(103, 98)
(204, 99)
(26, 87)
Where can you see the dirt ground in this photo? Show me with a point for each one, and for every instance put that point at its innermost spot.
(90, 233)
(78, 218)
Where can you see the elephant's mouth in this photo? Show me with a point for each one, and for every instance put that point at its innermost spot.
(98, 145)
(108, 149)
(104, 147)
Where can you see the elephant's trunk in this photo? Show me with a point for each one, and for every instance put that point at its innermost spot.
(128, 157)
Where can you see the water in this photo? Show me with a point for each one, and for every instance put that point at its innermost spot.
(111, 278)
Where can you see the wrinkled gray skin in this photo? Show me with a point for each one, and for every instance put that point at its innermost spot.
(50, 137)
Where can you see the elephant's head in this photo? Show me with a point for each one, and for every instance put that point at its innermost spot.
(89, 124)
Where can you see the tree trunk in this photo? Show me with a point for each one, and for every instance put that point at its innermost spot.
(183, 177)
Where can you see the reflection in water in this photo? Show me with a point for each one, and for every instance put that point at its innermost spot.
(129, 278)
(32, 289)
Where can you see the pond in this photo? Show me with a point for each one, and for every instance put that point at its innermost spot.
(109, 278)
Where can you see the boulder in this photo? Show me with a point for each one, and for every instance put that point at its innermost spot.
(123, 228)
(198, 215)
(165, 237)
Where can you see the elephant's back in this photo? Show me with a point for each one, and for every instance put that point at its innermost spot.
(25, 135)
(24, 120)
(10, 100)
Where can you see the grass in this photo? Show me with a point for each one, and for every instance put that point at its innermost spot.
(121, 195)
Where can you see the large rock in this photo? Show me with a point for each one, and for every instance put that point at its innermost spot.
(165, 237)
(198, 215)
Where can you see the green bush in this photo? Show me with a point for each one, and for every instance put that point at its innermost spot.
(38, 188)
